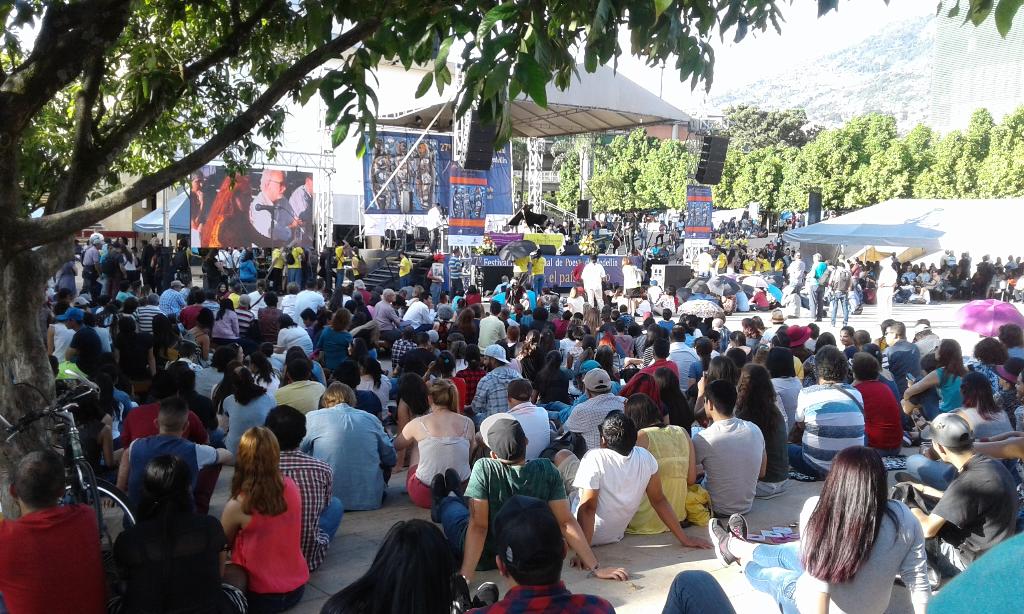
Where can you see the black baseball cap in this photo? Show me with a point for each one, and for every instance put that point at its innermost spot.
(949, 431)
(528, 535)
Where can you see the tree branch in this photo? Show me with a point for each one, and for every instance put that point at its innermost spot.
(89, 163)
(30, 232)
(72, 187)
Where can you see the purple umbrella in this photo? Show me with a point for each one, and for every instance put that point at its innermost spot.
(985, 317)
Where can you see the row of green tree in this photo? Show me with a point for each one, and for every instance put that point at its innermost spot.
(774, 159)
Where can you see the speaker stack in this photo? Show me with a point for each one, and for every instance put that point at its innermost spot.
(813, 206)
(583, 209)
(712, 159)
(478, 150)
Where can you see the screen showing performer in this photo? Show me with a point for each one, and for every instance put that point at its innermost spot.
(261, 208)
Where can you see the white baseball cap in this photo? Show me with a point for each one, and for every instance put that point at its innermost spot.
(496, 352)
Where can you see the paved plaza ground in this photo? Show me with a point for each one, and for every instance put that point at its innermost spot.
(652, 561)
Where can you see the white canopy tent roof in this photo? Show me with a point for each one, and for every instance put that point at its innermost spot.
(984, 226)
(594, 102)
(177, 209)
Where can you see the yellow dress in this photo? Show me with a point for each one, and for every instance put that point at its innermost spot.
(671, 447)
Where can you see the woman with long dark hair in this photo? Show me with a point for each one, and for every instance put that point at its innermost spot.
(335, 340)
(371, 378)
(412, 403)
(552, 381)
(757, 402)
(246, 407)
(413, 571)
(468, 326)
(202, 333)
(171, 560)
(676, 406)
(946, 377)
(671, 446)
(225, 327)
(133, 353)
(263, 372)
(853, 542)
(263, 516)
(165, 341)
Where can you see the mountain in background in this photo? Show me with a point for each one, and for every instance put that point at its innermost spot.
(887, 72)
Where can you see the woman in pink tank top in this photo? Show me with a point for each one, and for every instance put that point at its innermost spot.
(263, 523)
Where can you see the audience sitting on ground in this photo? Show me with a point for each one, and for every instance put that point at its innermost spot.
(614, 479)
(353, 443)
(853, 542)
(321, 510)
(975, 511)
(588, 415)
(883, 426)
(731, 451)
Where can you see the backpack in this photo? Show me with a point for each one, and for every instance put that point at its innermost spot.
(826, 275)
(109, 265)
(840, 281)
(289, 258)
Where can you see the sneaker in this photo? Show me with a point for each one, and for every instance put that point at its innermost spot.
(903, 476)
(738, 526)
(452, 481)
(486, 594)
(720, 543)
(438, 491)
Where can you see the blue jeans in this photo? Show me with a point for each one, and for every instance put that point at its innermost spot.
(339, 278)
(798, 463)
(271, 603)
(812, 297)
(454, 520)
(404, 280)
(936, 474)
(435, 292)
(840, 299)
(330, 518)
(295, 275)
(696, 592)
(774, 570)
(538, 283)
(558, 411)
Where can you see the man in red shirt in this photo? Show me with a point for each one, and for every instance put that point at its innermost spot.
(661, 351)
(883, 426)
(50, 557)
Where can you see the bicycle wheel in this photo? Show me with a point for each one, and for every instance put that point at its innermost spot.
(115, 512)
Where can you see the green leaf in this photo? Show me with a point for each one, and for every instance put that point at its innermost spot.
(660, 6)
(424, 85)
(493, 16)
(953, 10)
(533, 78)
(824, 6)
(442, 53)
(979, 11)
(1005, 12)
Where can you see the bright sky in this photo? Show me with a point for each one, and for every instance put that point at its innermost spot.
(804, 37)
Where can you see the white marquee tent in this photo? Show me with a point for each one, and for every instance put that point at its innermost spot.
(917, 227)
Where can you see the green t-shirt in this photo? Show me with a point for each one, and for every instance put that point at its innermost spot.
(495, 482)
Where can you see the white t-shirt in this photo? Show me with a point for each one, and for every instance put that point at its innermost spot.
(534, 421)
(418, 314)
(592, 275)
(288, 306)
(622, 481)
(632, 277)
(255, 304)
(308, 299)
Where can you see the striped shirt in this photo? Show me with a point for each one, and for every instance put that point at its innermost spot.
(833, 421)
(245, 318)
(315, 481)
(144, 316)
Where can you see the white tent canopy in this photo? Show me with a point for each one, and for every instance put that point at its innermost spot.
(594, 102)
(984, 226)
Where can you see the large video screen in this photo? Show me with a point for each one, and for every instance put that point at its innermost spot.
(261, 208)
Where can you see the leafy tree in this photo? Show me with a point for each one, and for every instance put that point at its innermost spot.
(750, 127)
(664, 175)
(569, 180)
(1001, 174)
(723, 194)
(760, 177)
(617, 170)
(105, 102)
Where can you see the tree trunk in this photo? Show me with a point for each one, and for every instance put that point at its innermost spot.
(23, 356)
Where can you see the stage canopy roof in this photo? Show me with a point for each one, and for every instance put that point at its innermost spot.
(984, 226)
(595, 102)
(177, 208)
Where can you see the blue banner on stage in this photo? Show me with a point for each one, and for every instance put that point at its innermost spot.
(430, 176)
(558, 270)
(698, 212)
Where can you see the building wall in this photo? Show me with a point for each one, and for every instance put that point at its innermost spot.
(974, 68)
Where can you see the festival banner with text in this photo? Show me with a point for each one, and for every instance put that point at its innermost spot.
(558, 270)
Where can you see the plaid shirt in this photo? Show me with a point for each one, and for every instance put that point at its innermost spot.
(314, 479)
(399, 348)
(492, 391)
(549, 599)
(472, 377)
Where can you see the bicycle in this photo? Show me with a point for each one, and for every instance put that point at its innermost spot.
(113, 511)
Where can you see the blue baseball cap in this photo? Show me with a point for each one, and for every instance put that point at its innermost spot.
(589, 365)
(73, 313)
